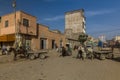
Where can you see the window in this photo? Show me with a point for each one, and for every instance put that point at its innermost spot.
(26, 22)
(6, 23)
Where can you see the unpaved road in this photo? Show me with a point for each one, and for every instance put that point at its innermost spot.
(59, 68)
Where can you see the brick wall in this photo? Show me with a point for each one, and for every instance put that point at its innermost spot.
(45, 33)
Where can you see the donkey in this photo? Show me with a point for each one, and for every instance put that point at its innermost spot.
(19, 51)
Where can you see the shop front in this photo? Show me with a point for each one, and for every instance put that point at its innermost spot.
(7, 40)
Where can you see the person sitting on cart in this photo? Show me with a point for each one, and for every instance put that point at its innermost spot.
(100, 44)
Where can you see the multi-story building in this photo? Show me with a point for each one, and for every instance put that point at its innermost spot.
(75, 20)
(31, 34)
(117, 38)
(74, 25)
(19, 22)
(28, 32)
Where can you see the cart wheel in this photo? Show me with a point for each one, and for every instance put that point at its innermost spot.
(102, 57)
(31, 56)
(42, 56)
(110, 56)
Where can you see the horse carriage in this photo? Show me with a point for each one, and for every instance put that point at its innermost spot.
(29, 54)
(37, 54)
(104, 53)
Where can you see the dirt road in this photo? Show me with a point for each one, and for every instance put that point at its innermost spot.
(60, 68)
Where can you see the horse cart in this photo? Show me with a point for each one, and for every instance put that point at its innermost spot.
(37, 54)
(104, 53)
(30, 54)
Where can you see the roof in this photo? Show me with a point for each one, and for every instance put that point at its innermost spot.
(73, 11)
(19, 11)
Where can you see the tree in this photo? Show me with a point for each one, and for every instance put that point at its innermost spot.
(82, 38)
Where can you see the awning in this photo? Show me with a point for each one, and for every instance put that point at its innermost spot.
(7, 38)
(3, 38)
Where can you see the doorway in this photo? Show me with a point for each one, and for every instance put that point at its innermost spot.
(43, 43)
(53, 44)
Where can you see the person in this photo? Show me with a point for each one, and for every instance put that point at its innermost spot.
(90, 49)
(4, 50)
(117, 45)
(90, 52)
(56, 47)
(8, 49)
(83, 52)
(63, 51)
(100, 44)
(69, 51)
(75, 47)
(79, 55)
(112, 46)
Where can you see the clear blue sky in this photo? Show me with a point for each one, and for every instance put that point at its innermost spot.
(101, 15)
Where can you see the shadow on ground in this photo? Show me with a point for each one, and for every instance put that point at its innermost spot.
(117, 59)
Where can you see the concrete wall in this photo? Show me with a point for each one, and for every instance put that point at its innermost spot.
(75, 20)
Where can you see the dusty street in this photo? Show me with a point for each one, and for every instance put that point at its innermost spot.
(59, 68)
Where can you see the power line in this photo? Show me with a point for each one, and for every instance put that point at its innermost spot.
(107, 31)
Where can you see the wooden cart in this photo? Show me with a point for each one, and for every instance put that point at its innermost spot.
(103, 54)
(37, 54)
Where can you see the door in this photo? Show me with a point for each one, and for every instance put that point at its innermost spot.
(53, 44)
(42, 43)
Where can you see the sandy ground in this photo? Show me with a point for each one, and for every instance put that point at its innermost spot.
(59, 68)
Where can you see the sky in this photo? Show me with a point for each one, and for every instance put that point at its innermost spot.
(102, 16)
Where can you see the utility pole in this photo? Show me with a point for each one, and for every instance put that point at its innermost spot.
(16, 32)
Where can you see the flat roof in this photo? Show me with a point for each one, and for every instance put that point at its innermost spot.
(74, 11)
(19, 11)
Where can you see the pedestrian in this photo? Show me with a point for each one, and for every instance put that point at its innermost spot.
(75, 47)
(112, 46)
(4, 50)
(8, 49)
(69, 51)
(83, 52)
(63, 51)
(79, 55)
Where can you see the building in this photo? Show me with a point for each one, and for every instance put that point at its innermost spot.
(75, 21)
(117, 38)
(29, 33)
(19, 22)
(74, 25)
(102, 38)
(48, 39)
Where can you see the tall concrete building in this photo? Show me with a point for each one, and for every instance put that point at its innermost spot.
(75, 20)
(74, 25)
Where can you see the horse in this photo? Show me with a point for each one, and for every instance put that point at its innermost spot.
(19, 51)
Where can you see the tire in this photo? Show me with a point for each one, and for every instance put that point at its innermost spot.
(110, 56)
(42, 56)
(102, 57)
(31, 57)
